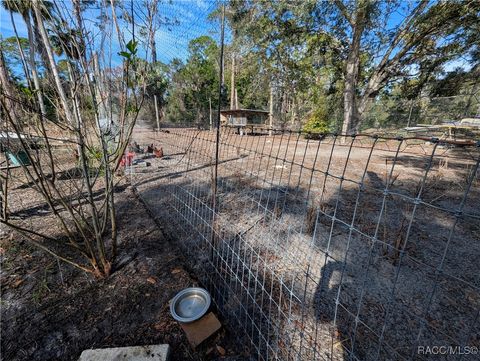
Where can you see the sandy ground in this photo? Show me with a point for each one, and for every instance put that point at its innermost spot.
(322, 249)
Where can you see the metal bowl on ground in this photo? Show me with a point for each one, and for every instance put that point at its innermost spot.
(190, 304)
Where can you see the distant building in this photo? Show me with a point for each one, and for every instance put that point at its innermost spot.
(242, 117)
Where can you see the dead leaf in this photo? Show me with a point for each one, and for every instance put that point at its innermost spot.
(151, 280)
(221, 350)
(176, 270)
(17, 283)
(159, 326)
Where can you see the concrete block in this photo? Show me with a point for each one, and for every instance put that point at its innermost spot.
(133, 353)
(198, 331)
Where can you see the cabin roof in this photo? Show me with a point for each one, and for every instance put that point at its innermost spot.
(243, 112)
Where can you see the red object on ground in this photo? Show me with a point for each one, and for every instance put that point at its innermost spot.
(158, 152)
(128, 159)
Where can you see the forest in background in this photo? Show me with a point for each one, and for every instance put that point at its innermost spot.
(325, 65)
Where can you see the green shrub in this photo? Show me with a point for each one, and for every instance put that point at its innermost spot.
(317, 124)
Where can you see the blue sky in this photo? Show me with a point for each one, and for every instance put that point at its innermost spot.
(190, 17)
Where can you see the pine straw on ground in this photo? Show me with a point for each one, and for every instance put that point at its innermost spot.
(51, 311)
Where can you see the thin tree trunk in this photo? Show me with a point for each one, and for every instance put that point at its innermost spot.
(157, 117)
(41, 47)
(236, 99)
(5, 85)
(351, 114)
(115, 21)
(151, 16)
(293, 111)
(38, 90)
(6, 88)
(410, 113)
(210, 112)
(232, 84)
(78, 16)
(33, 66)
(22, 54)
(270, 114)
(51, 62)
(4, 193)
(99, 89)
(152, 11)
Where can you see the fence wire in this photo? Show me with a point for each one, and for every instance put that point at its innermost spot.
(338, 248)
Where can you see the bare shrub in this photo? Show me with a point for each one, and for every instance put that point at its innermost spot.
(68, 132)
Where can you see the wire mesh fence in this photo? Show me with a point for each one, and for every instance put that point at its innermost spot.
(338, 248)
(313, 246)
(423, 110)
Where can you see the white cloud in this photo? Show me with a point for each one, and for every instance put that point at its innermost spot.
(203, 4)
